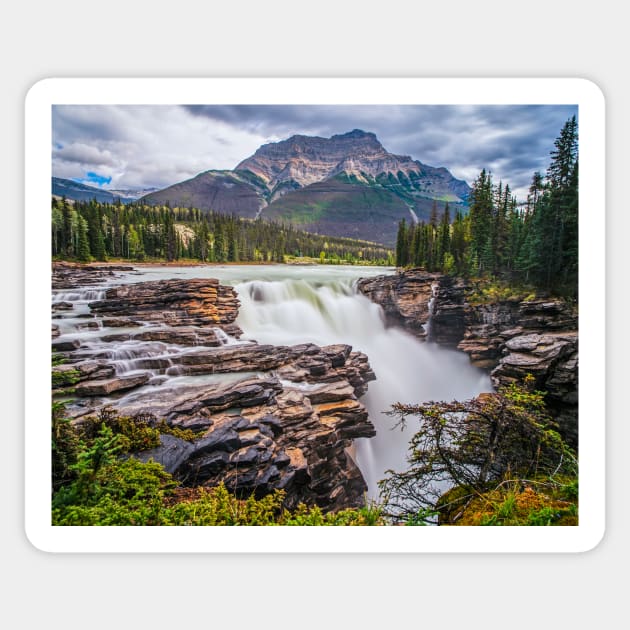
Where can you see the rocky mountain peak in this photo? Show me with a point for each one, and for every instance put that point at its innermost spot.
(345, 185)
(304, 160)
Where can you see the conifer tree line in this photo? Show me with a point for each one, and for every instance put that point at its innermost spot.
(533, 243)
(89, 230)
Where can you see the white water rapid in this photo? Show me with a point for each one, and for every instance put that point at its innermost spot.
(288, 305)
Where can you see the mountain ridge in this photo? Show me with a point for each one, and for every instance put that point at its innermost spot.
(77, 191)
(310, 159)
(345, 185)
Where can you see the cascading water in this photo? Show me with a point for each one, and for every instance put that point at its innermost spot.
(295, 311)
(428, 327)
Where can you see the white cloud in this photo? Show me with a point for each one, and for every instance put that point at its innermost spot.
(144, 145)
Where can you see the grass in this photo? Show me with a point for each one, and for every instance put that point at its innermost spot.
(490, 291)
(517, 503)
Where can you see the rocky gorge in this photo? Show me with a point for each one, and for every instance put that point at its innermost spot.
(265, 416)
(509, 337)
(281, 411)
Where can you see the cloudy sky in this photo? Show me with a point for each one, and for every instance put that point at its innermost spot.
(139, 146)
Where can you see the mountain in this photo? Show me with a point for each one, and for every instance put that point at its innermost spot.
(345, 185)
(237, 192)
(132, 193)
(81, 192)
(304, 160)
(70, 189)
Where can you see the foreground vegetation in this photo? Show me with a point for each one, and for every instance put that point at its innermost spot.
(497, 459)
(500, 455)
(97, 482)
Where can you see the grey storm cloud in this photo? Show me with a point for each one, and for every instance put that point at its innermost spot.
(158, 145)
(84, 154)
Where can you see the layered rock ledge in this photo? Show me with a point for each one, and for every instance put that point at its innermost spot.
(196, 302)
(66, 275)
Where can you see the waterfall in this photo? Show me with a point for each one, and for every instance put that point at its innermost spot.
(293, 311)
(87, 295)
(428, 327)
(287, 305)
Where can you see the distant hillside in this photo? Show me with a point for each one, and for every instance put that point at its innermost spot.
(347, 185)
(81, 192)
(229, 192)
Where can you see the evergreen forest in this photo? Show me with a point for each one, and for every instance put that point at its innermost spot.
(534, 243)
(89, 230)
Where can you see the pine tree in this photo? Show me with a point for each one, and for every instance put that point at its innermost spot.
(536, 189)
(402, 247)
(554, 222)
(570, 236)
(500, 229)
(444, 236)
(481, 221)
(67, 245)
(83, 243)
(459, 243)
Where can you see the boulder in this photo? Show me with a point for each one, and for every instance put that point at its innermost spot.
(62, 306)
(66, 275)
(171, 453)
(404, 297)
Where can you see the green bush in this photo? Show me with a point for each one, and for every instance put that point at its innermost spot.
(66, 446)
(136, 433)
(120, 493)
(65, 378)
(479, 445)
(92, 485)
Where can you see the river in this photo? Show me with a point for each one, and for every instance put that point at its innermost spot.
(282, 304)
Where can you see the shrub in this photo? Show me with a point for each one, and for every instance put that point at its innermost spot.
(464, 449)
(65, 378)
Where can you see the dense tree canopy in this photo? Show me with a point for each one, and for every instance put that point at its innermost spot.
(97, 231)
(535, 242)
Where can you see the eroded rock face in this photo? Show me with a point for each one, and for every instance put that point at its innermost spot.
(66, 275)
(262, 432)
(405, 297)
(263, 435)
(449, 318)
(552, 359)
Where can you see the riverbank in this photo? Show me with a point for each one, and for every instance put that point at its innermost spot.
(264, 417)
(292, 261)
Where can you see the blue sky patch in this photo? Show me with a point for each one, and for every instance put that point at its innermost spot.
(93, 178)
